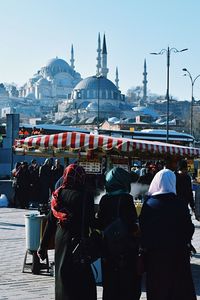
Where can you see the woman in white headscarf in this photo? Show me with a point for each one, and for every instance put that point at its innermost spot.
(167, 230)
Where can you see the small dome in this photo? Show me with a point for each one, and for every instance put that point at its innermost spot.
(113, 119)
(42, 81)
(92, 106)
(143, 110)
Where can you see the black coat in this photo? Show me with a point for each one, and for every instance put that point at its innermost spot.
(72, 281)
(184, 188)
(45, 178)
(120, 279)
(166, 229)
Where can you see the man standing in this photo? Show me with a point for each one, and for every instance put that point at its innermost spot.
(184, 184)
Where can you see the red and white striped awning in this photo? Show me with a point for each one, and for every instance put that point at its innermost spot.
(76, 141)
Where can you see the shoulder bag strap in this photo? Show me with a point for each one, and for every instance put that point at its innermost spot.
(83, 218)
(118, 207)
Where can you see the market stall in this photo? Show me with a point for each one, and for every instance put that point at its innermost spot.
(62, 144)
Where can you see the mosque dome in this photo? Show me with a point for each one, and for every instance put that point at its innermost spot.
(93, 82)
(57, 65)
(94, 87)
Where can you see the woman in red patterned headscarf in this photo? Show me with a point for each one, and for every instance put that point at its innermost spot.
(72, 281)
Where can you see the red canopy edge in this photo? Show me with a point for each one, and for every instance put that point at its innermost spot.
(82, 142)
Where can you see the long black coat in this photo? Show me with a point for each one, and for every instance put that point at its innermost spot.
(45, 178)
(120, 279)
(184, 189)
(72, 281)
(166, 229)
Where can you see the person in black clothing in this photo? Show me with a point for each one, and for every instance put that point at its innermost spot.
(34, 182)
(73, 280)
(23, 184)
(166, 233)
(150, 173)
(45, 178)
(57, 172)
(184, 184)
(15, 186)
(120, 278)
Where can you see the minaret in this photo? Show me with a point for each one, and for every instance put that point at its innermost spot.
(98, 56)
(72, 57)
(145, 83)
(117, 78)
(104, 69)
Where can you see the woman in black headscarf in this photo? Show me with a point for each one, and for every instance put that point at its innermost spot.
(120, 279)
(73, 281)
(166, 230)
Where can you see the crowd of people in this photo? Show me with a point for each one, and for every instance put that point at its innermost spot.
(162, 233)
(34, 183)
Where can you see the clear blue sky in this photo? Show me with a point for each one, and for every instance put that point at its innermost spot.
(33, 31)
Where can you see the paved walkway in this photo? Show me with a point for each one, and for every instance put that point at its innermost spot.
(15, 285)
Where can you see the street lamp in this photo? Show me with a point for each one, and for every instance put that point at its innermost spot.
(168, 52)
(192, 97)
(98, 77)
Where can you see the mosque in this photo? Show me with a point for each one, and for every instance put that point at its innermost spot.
(55, 80)
(88, 97)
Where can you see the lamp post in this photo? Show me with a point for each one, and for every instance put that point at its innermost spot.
(98, 77)
(168, 52)
(192, 97)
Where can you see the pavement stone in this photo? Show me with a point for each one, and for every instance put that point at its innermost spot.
(15, 285)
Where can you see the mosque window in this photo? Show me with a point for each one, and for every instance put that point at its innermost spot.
(83, 94)
(78, 94)
(100, 94)
(122, 97)
(91, 94)
(103, 94)
(115, 95)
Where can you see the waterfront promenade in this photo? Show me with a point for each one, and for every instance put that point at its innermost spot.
(15, 285)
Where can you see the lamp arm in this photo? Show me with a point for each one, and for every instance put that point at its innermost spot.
(162, 51)
(190, 76)
(174, 50)
(196, 78)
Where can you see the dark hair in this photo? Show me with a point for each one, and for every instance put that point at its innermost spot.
(182, 165)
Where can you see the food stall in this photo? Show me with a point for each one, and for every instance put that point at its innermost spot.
(90, 146)
(99, 153)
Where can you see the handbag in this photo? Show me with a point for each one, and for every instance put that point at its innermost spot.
(117, 238)
(87, 249)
